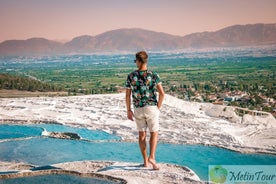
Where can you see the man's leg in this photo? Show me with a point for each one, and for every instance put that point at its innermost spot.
(143, 146)
(153, 145)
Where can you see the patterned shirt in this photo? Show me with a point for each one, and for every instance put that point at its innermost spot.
(143, 87)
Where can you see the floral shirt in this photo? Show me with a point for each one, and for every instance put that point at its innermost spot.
(143, 87)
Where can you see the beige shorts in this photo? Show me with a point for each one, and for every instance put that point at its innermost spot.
(147, 117)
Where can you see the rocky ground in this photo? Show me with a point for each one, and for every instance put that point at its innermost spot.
(118, 172)
(180, 121)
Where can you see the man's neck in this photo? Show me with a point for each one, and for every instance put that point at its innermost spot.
(143, 68)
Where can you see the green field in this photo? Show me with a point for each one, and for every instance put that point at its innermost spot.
(182, 74)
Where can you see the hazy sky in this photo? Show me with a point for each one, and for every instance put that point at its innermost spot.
(65, 19)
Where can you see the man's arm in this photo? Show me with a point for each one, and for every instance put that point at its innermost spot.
(161, 95)
(128, 105)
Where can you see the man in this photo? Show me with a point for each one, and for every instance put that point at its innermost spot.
(142, 84)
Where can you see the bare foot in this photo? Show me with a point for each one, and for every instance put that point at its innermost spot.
(146, 165)
(154, 165)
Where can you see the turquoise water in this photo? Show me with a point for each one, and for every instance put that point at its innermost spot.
(54, 179)
(45, 151)
(11, 131)
(35, 130)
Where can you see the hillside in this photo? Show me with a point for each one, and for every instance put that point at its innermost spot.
(33, 46)
(123, 39)
(137, 39)
(237, 35)
(12, 82)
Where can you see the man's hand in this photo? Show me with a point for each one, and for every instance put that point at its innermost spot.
(159, 105)
(161, 95)
(130, 115)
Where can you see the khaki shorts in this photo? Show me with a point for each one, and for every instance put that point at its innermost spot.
(147, 117)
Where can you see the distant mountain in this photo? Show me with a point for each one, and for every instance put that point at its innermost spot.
(123, 39)
(80, 44)
(237, 35)
(33, 46)
(136, 39)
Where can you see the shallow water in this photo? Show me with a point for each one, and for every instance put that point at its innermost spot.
(45, 151)
(55, 179)
(35, 130)
(11, 131)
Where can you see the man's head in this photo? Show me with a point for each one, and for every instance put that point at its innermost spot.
(142, 57)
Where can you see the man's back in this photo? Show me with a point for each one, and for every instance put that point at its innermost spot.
(143, 86)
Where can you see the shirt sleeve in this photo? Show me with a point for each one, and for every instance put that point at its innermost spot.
(157, 79)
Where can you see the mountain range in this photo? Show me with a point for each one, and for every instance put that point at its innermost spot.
(135, 39)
